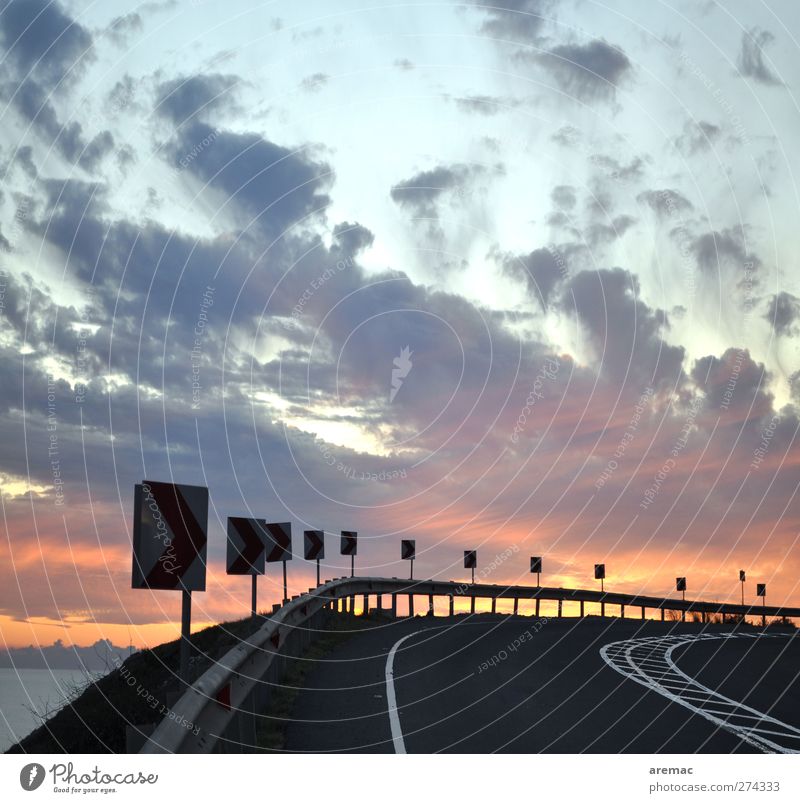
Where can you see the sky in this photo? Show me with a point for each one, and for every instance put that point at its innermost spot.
(519, 277)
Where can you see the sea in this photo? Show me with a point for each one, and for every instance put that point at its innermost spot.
(25, 692)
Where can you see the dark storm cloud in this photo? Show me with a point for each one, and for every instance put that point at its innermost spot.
(45, 51)
(625, 332)
(420, 192)
(279, 186)
(751, 60)
(541, 271)
(353, 237)
(517, 20)
(717, 248)
(589, 72)
(783, 313)
(42, 42)
(734, 381)
(665, 203)
(183, 98)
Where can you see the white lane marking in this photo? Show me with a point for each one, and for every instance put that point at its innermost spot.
(627, 657)
(391, 698)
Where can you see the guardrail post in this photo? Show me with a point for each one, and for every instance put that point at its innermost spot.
(494, 604)
(410, 604)
(379, 602)
(366, 605)
(537, 606)
(662, 613)
(430, 604)
(703, 614)
(602, 610)
(643, 613)
(394, 605)
(472, 604)
(452, 605)
(621, 611)
(559, 608)
(516, 605)
(581, 609)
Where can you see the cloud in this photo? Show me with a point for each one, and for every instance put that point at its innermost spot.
(420, 192)
(517, 20)
(315, 82)
(42, 43)
(665, 203)
(751, 61)
(783, 313)
(697, 137)
(734, 382)
(485, 105)
(182, 99)
(278, 186)
(563, 196)
(625, 333)
(541, 271)
(589, 72)
(715, 249)
(46, 51)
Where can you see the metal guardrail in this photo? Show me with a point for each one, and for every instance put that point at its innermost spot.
(223, 705)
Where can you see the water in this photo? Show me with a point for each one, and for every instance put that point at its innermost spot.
(40, 689)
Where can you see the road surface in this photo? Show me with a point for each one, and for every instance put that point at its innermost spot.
(488, 683)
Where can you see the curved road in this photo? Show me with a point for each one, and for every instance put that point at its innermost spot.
(487, 683)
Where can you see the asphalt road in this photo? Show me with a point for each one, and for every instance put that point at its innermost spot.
(487, 683)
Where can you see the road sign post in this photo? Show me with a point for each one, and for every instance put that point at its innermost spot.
(600, 574)
(170, 538)
(246, 548)
(408, 551)
(471, 561)
(536, 568)
(761, 591)
(279, 548)
(680, 585)
(314, 546)
(349, 546)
